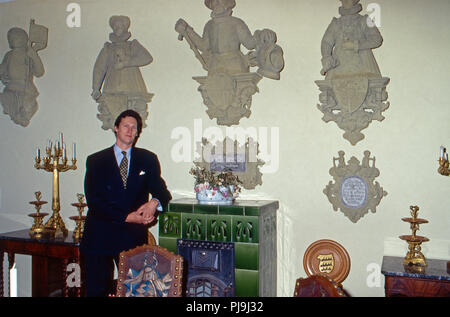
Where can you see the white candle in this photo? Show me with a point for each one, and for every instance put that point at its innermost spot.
(74, 150)
(61, 137)
(442, 152)
(38, 154)
(13, 281)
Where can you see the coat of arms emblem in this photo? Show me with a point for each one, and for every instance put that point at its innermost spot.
(354, 191)
(326, 263)
(353, 93)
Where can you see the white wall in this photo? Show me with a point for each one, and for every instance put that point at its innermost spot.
(406, 144)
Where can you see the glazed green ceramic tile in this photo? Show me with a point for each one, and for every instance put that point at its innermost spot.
(180, 207)
(219, 228)
(206, 209)
(193, 226)
(246, 256)
(246, 283)
(169, 243)
(245, 229)
(170, 224)
(252, 211)
(231, 210)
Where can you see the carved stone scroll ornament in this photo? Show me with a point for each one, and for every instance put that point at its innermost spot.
(353, 190)
(353, 92)
(18, 69)
(229, 155)
(228, 88)
(117, 81)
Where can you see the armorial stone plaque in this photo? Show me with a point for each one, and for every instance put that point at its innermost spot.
(117, 83)
(228, 88)
(354, 191)
(353, 93)
(18, 69)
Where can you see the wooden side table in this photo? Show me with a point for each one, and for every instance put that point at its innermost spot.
(50, 258)
(434, 281)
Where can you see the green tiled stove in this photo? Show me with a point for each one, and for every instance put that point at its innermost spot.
(250, 224)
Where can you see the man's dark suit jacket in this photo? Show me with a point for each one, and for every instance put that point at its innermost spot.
(105, 230)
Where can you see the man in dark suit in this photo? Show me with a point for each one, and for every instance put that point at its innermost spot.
(124, 192)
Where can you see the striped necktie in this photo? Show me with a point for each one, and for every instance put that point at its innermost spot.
(124, 169)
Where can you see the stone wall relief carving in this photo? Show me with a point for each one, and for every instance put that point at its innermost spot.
(117, 80)
(354, 191)
(228, 88)
(353, 92)
(17, 71)
(230, 155)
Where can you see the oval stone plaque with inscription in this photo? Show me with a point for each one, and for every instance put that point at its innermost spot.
(354, 192)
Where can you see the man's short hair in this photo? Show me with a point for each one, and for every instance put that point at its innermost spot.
(130, 113)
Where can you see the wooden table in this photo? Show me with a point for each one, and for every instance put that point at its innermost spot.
(434, 281)
(50, 260)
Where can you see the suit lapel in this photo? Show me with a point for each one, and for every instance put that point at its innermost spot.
(115, 171)
(133, 172)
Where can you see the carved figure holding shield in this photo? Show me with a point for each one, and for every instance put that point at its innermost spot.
(228, 89)
(18, 69)
(117, 83)
(353, 92)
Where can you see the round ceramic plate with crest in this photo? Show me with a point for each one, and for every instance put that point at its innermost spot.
(327, 257)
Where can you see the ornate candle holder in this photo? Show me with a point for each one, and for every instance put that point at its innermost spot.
(78, 232)
(55, 161)
(414, 259)
(443, 163)
(38, 227)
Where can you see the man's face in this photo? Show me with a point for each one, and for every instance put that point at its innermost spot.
(126, 132)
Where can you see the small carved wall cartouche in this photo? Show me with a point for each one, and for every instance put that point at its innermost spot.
(229, 155)
(353, 92)
(228, 88)
(18, 69)
(354, 191)
(117, 81)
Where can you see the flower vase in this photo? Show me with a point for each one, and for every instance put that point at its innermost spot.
(222, 195)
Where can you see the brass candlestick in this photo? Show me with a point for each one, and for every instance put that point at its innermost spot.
(414, 258)
(55, 161)
(38, 227)
(443, 163)
(78, 232)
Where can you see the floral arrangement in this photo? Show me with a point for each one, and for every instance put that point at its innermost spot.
(208, 180)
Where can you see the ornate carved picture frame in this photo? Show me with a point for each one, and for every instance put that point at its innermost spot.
(354, 191)
(229, 155)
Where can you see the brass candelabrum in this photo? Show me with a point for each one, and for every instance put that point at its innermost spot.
(78, 232)
(55, 161)
(443, 163)
(414, 260)
(37, 229)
